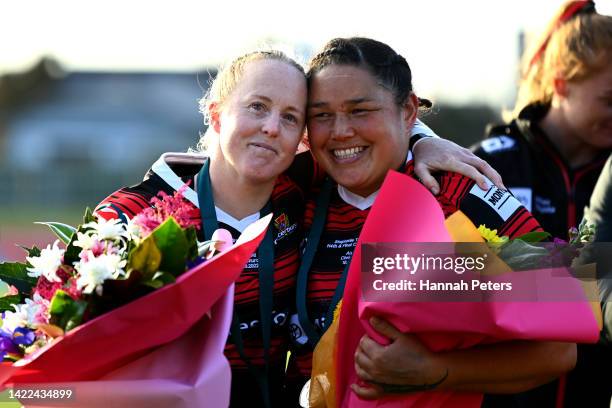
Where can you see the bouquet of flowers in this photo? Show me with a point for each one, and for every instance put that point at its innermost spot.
(125, 288)
(446, 324)
(527, 251)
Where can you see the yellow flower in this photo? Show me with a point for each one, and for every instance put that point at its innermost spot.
(491, 235)
(337, 310)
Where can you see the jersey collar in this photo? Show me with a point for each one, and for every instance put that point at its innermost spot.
(363, 203)
(163, 168)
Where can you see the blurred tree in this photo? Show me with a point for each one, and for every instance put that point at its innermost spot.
(463, 124)
(26, 86)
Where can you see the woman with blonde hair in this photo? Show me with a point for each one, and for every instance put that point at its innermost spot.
(553, 150)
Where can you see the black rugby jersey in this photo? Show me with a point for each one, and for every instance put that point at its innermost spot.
(497, 209)
(287, 206)
(536, 173)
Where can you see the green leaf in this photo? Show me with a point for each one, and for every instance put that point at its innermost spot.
(172, 242)
(71, 255)
(520, 255)
(66, 312)
(7, 302)
(165, 277)
(32, 252)
(63, 231)
(16, 274)
(192, 242)
(155, 284)
(146, 257)
(159, 279)
(534, 236)
(88, 216)
(4, 288)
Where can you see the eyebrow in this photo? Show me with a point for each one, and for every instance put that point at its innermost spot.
(355, 101)
(265, 98)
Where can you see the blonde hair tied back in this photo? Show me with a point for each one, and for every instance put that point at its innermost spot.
(226, 80)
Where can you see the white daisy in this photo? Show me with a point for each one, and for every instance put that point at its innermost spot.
(96, 270)
(108, 229)
(85, 241)
(47, 263)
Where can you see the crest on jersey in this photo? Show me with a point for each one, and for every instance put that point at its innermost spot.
(283, 226)
(281, 222)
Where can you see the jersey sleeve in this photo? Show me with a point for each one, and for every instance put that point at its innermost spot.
(599, 211)
(495, 208)
(123, 204)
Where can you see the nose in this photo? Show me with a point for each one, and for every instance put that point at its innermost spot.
(342, 128)
(271, 124)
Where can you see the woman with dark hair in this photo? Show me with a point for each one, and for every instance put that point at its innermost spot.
(361, 107)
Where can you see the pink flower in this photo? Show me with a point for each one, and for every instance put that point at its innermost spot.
(46, 289)
(97, 248)
(224, 239)
(72, 289)
(167, 206)
(42, 315)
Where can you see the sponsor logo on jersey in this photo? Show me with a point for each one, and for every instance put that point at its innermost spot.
(278, 320)
(497, 144)
(501, 201)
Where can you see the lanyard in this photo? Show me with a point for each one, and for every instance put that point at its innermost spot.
(265, 255)
(312, 243)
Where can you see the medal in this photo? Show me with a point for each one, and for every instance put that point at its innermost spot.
(305, 395)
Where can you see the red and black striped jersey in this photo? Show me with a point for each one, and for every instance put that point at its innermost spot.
(495, 208)
(287, 205)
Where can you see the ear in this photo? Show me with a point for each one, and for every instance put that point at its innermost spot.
(410, 110)
(214, 110)
(560, 87)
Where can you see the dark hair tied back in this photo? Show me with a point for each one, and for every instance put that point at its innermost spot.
(398, 59)
(390, 69)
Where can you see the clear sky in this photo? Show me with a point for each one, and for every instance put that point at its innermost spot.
(459, 50)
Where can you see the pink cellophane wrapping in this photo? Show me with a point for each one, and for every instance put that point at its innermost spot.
(172, 339)
(191, 371)
(405, 211)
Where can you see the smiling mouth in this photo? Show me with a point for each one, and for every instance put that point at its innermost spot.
(263, 146)
(350, 153)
